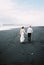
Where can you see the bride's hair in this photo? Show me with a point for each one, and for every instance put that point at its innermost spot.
(22, 27)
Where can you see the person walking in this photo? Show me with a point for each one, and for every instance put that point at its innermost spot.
(29, 32)
(22, 32)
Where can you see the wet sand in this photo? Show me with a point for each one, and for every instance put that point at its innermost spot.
(12, 52)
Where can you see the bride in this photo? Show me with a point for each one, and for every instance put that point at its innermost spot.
(22, 38)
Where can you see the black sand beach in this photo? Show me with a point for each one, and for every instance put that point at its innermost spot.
(12, 52)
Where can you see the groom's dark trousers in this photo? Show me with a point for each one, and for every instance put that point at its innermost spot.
(29, 36)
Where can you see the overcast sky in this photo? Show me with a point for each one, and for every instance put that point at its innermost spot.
(22, 12)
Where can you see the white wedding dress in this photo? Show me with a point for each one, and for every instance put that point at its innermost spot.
(22, 38)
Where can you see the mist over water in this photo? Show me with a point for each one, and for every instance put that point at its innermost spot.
(8, 27)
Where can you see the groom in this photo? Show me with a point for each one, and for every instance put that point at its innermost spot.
(29, 32)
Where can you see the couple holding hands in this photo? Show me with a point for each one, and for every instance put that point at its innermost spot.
(28, 33)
